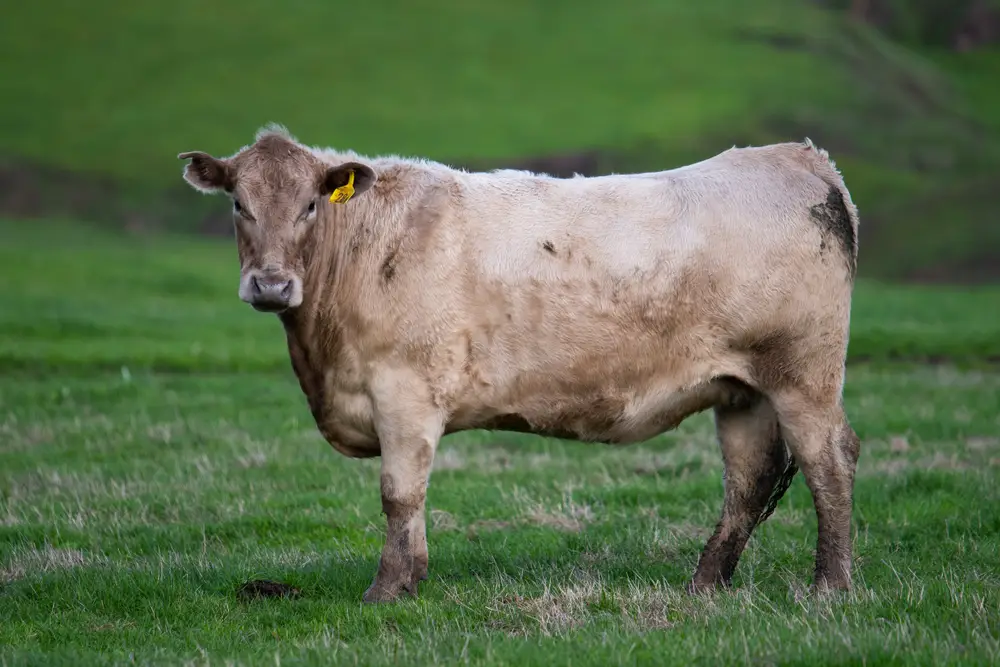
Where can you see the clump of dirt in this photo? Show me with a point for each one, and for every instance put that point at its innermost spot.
(264, 588)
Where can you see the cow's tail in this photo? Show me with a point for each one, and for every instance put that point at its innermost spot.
(780, 486)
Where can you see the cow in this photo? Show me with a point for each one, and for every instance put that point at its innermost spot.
(419, 300)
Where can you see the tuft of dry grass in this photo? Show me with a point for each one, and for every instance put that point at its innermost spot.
(572, 518)
(442, 520)
(33, 561)
(638, 607)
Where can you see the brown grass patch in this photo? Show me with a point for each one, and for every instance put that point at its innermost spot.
(19, 437)
(566, 515)
(899, 444)
(472, 532)
(558, 611)
(939, 461)
(571, 519)
(642, 607)
(441, 520)
(979, 444)
(38, 561)
(449, 459)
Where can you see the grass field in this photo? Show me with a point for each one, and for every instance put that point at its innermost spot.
(426, 77)
(118, 89)
(156, 453)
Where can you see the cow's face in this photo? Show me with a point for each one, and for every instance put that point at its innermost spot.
(278, 190)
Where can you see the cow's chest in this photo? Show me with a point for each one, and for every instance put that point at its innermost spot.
(343, 411)
(346, 419)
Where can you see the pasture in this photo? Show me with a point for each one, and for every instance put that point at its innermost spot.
(107, 94)
(157, 453)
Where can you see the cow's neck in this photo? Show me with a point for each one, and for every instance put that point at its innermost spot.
(341, 261)
(311, 333)
(313, 326)
(339, 258)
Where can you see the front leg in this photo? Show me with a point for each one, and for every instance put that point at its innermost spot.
(409, 431)
(420, 555)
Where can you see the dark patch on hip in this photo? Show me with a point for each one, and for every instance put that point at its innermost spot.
(833, 218)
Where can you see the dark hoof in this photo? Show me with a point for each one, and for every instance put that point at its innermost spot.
(824, 587)
(701, 588)
(379, 592)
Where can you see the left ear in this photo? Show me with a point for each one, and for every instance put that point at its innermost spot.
(206, 173)
(339, 176)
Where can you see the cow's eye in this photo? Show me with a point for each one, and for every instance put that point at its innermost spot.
(312, 207)
(237, 206)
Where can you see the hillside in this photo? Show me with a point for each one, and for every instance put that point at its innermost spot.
(108, 93)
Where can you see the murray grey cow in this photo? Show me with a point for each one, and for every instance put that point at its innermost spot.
(420, 300)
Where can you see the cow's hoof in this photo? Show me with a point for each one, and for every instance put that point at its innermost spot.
(695, 587)
(419, 570)
(825, 587)
(381, 591)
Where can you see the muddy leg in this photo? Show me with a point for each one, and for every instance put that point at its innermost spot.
(758, 471)
(420, 557)
(407, 454)
(826, 448)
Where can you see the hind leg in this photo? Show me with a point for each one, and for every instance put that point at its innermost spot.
(758, 470)
(827, 448)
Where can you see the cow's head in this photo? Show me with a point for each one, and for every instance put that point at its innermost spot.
(277, 187)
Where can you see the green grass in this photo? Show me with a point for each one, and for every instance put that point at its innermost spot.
(132, 510)
(115, 86)
(118, 89)
(156, 452)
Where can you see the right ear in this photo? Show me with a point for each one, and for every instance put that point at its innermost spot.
(339, 176)
(206, 173)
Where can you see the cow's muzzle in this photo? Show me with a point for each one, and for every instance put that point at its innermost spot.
(272, 292)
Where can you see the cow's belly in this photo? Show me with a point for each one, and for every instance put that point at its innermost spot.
(612, 372)
(611, 417)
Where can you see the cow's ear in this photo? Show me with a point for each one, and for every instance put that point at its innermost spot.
(206, 173)
(347, 180)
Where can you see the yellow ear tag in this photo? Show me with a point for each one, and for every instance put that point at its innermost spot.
(344, 192)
